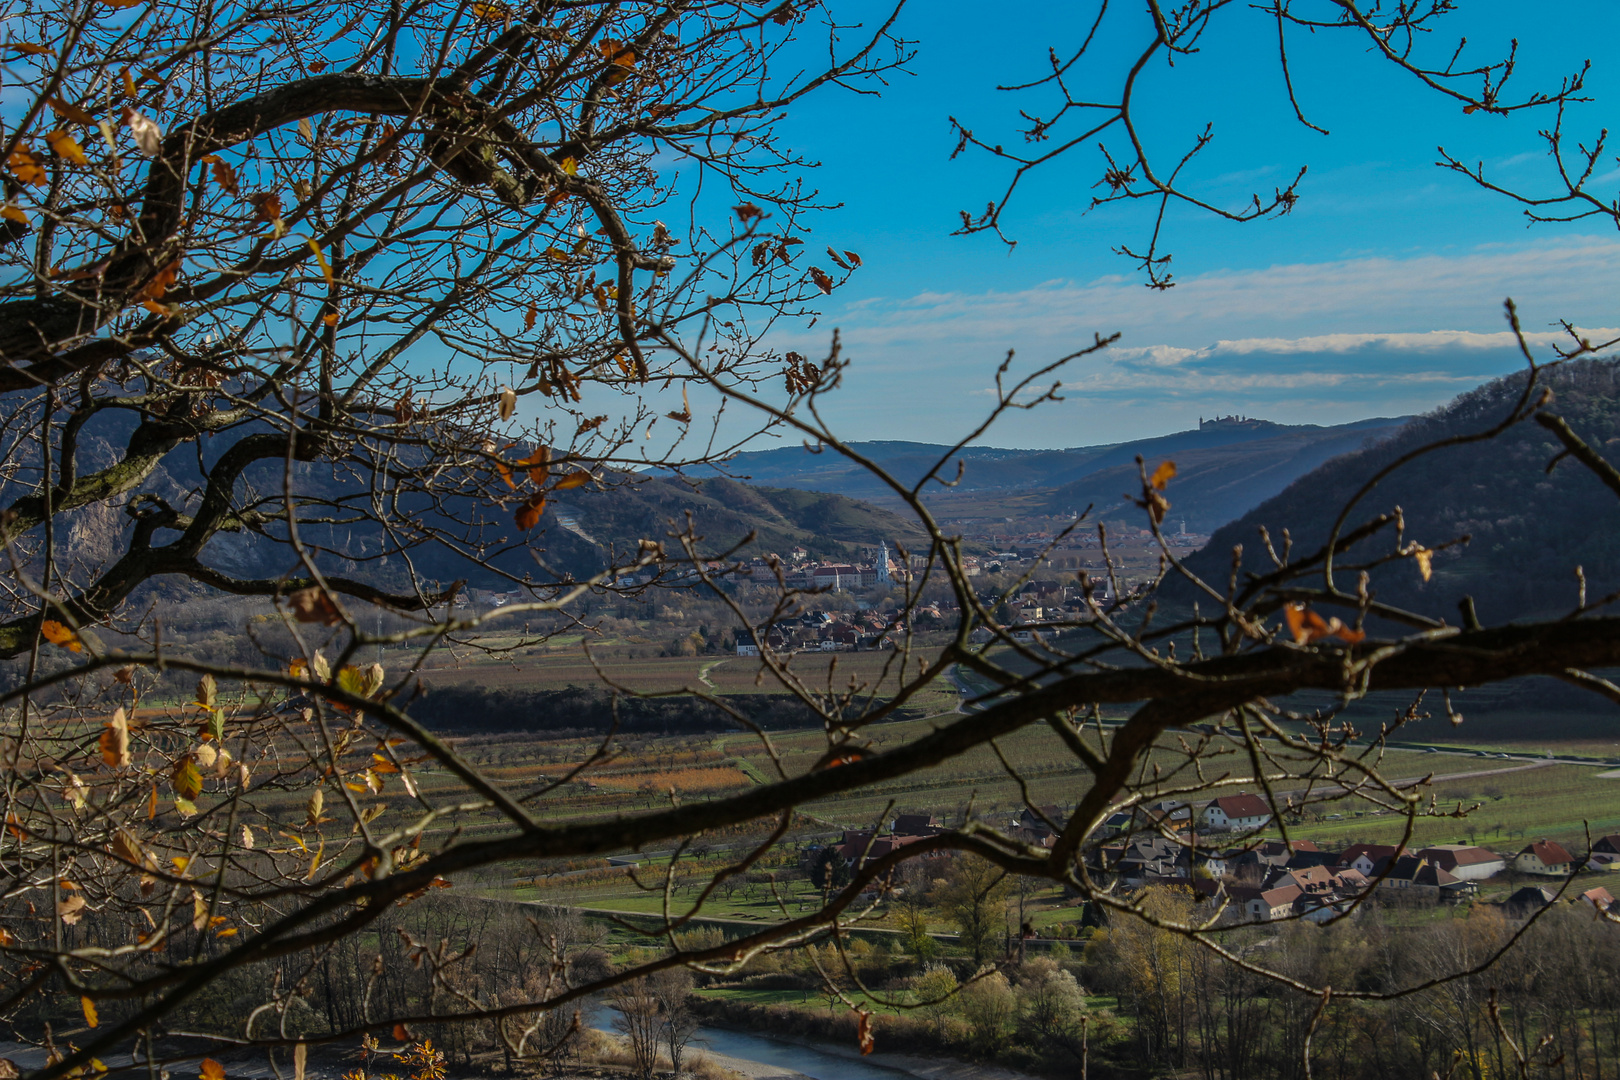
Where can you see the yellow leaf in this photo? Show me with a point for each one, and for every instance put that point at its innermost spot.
(206, 690)
(11, 212)
(1163, 475)
(569, 166)
(57, 634)
(186, 781)
(1424, 557)
(483, 11)
(230, 932)
(575, 479)
(66, 147)
(199, 910)
(326, 269)
(312, 809)
(28, 48)
(89, 1008)
(186, 807)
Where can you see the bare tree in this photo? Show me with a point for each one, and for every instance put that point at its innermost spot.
(336, 285)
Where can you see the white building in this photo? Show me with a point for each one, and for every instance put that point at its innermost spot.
(1242, 811)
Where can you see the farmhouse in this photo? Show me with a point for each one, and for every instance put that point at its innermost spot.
(1544, 857)
(1363, 857)
(1464, 861)
(1242, 811)
(1599, 898)
(1606, 852)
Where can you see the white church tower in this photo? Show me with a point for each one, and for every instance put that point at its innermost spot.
(883, 577)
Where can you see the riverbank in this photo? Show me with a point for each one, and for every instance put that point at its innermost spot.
(923, 1068)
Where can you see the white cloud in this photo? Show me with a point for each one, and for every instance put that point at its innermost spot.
(1303, 343)
(1305, 301)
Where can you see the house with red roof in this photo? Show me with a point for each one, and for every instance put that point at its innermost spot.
(1240, 811)
(1544, 857)
(1464, 861)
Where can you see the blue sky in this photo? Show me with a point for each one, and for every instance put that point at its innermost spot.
(1380, 295)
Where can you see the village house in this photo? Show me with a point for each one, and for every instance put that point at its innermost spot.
(1464, 861)
(1599, 898)
(1412, 875)
(1606, 852)
(1363, 857)
(1546, 858)
(1242, 811)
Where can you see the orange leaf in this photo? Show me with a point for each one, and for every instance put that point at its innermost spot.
(863, 1031)
(121, 3)
(402, 1033)
(28, 48)
(224, 174)
(311, 605)
(12, 212)
(539, 465)
(66, 147)
(747, 212)
(89, 1008)
(489, 12)
(115, 740)
(212, 1070)
(529, 317)
(823, 282)
(574, 480)
(27, 166)
(267, 206)
(57, 634)
(160, 282)
(528, 515)
(69, 112)
(1165, 473)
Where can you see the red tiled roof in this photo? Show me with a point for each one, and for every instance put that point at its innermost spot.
(1549, 852)
(1243, 806)
(1450, 855)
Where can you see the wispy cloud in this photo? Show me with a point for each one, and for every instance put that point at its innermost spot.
(1573, 280)
(1311, 342)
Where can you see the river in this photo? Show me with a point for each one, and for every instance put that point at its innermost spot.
(816, 1064)
(792, 1057)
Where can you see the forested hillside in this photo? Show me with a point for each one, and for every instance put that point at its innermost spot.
(1529, 529)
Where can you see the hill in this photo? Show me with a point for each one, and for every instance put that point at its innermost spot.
(1529, 529)
(1227, 467)
(460, 531)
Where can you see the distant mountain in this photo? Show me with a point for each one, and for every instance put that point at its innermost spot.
(1530, 529)
(463, 532)
(1226, 467)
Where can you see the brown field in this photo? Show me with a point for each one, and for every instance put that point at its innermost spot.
(681, 781)
(875, 673)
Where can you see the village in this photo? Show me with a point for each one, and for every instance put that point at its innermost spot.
(1218, 853)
